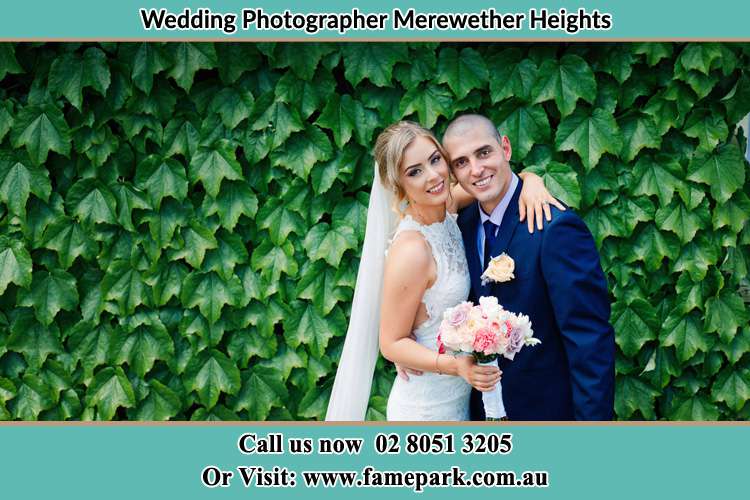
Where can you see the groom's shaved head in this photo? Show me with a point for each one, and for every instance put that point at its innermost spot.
(465, 124)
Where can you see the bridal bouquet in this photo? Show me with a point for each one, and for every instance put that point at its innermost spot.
(487, 331)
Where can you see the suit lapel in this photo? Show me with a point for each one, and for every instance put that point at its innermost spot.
(509, 224)
(470, 244)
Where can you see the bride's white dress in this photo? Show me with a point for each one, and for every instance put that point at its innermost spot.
(431, 396)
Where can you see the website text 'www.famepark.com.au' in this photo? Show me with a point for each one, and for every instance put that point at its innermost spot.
(369, 477)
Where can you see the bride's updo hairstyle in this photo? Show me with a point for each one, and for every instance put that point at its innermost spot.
(389, 152)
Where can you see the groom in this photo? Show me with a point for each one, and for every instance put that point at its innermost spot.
(558, 282)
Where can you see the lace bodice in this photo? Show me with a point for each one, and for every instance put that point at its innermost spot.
(452, 284)
(432, 396)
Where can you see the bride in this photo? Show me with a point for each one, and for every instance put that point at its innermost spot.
(406, 283)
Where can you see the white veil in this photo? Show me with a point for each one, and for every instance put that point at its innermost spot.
(351, 388)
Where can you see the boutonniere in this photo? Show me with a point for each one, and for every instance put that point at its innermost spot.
(500, 269)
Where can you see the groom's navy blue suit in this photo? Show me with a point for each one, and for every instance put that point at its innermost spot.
(560, 285)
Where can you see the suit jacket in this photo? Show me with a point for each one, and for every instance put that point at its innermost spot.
(560, 285)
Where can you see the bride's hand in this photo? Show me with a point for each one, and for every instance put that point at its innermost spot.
(404, 372)
(482, 378)
(535, 200)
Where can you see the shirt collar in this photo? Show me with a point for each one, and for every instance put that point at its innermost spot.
(499, 212)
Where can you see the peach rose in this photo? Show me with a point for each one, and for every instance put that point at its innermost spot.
(500, 269)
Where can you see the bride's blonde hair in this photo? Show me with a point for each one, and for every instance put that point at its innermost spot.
(389, 152)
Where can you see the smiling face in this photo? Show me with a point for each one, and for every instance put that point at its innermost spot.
(480, 163)
(423, 173)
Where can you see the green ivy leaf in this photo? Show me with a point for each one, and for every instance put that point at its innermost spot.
(308, 326)
(35, 341)
(428, 102)
(733, 213)
(70, 73)
(525, 126)
(462, 71)
(197, 240)
(699, 56)
(709, 128)
(146, 60)
(233, 106)
(41, 129)
(685, 333)
(280, 221)
(659, 176)
(635, 324)
(188, 58)
(565, 81)
(303, 58)
(738, 347)
(631, 395)
(602, 224)
(561, 180)
(654, 52)
(18, 178)
(374, 62)
(694, 408)
(732, 386)
(318, 283)
(279, 122)
(89, 345)
(653, 246)
(210, 293)
(329, 243)
(262, 389)
(211, 165)
(638, 132)
(324, 175)
(725, 314)
(344, 116)
(678, 219)
(272, 260)
(723, 170)
(422, 66)
(124, 285)
(307, 96)
(8, 62)
(92, 201)
(141, 347)
(209, 374)
(302, 151)
(32, 398)
(160, 177)
(162, 403)
(109, 390)
(589, 135)
(181, 137)
(50, 292)
(511, 76)
(15, 263)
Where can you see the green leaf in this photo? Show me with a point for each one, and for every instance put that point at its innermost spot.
(41, 129)
(344, 116)
(318, 283)
(638, 132)
(124, 285)
(70, 73)
(15, 264)
(374, 62)
(315, 403)
(738, 347)
(147, 59)
(280, 221)
(589, 135)
(211, 165)
(565, 81)
(324, 175)
(18, 178)
(694, 408)
(736, 102)
(561, 180)
(725, 314)
(709, 128)
(308, 326)
(279, 122)
(428, 102)
(188, 58)
(89, 345)
(209, 374)
(329, 243)
(230, 252)
(262, 389)
(33, 397)
(92, 201)
(244, 344)
(128, 199)
(109, 390)
(654, 52)
(603, 223)
(525, 126)
(658, 176)
(197, 240)
(463, 72)
(653, 246)
(210, 293)
(307, 96)
(733, 213)
(512, 76)
(181, 136)
(36, 342)
(723, 170)
(50, 292)
(635, 324)
(617, 61)
(631, 395)
(162, 403)
(661, 367)
(8, 61)
(696, 257)
(235, 59)
(685, 333)
(422, 66)
(699, 56)
(732, 386)
(302, 151)
(235, 199)
(160, 177)
(678, 219)
(141, 347)
(272, 260)
(352, 213)
(233, 106)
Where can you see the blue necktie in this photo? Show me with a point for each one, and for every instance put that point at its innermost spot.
(490, 232)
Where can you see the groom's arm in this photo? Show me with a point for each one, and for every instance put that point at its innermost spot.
(578, 292)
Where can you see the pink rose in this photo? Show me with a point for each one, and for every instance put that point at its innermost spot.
(440, 345)
(458, 316)
(484, 341)
(516, 341)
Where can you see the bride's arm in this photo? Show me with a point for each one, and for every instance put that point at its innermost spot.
(408, 269)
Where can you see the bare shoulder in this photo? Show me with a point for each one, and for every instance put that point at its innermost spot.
(409, 254)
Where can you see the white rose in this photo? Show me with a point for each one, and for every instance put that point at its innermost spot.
(500, 269)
